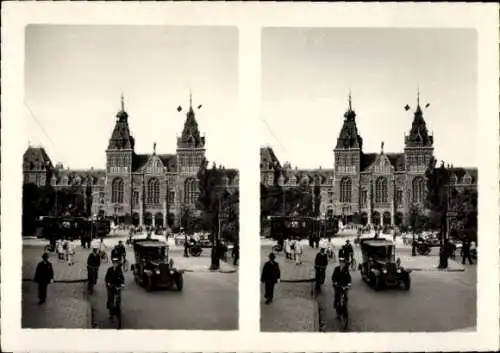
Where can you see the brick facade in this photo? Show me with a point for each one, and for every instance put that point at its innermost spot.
(378, 187)
(145, 187)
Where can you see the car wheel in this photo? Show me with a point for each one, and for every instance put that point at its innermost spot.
(179, 282)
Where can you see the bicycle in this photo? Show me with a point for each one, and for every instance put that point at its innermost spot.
(116, 310)
(320, 279)
(342, 311)
(92, 274)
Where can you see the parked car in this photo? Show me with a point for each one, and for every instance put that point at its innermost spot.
(379, 268)
(153, 268)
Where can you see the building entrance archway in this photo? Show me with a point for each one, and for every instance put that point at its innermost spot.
(386, 218)
(376, 218)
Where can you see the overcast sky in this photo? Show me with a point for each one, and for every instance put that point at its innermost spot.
(75, 75)
(307, 75)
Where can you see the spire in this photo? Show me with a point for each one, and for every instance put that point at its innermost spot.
(122, 114)
(419, 135)
(121, 137)
(349, 137)
(191, 137)
(154, 148)
(382, 147)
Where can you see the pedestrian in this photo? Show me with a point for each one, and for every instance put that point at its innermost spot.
(44, 275)
(340, 279)
(288, 249)
(292, 248)
(93, 264)
(466, 252)
(298, 252)
(270, 276)
(70, 252)
(60, 249)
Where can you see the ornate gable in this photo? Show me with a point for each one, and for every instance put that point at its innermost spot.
(381, 165)
(154, 165)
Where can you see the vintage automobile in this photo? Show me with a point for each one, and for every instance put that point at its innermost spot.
(152, 268)
(379, 267)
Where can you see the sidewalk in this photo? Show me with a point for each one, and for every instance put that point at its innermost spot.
(293, 309)
(428, 263)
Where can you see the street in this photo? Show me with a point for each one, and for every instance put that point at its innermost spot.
(437, 300)
(208, 301)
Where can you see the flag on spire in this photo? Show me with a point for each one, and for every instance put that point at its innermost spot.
(179, 108)
(199, 106)
(407, 107)
(427, 105)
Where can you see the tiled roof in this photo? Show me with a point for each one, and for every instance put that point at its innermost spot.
(168, 160)
(92, 175)
(310, 175)
(34, 155)
(397, 160)
(267, 157)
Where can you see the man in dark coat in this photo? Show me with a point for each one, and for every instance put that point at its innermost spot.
(93, 264)
(320, 264)
(340, 278)
(114, 279)
(466, 254)
(44, 275)
(270, 276)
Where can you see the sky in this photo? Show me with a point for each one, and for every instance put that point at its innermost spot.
(307, 75)
(74, 76)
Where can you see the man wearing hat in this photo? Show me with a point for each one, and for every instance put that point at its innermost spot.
(44, 275)
(93, 264)
(114, 279)
(270, 276)
(320, 265)
(340, 278)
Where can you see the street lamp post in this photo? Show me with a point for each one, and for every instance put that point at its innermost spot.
(215, 265)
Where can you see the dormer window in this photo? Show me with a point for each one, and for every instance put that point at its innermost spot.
(467, 179)
(453, 179)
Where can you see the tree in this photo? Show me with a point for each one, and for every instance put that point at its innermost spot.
(209, 201)
(436, 201)
(317, 198)
(417, 221)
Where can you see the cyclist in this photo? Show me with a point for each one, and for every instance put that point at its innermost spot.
(320, 264)
(114, 280)
(347, 253)
(340, 279)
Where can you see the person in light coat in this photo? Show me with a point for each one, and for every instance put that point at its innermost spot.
(288, 249)
(70, 251)
(298, 252)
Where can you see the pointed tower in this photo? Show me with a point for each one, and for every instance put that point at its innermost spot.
(119, 166)
(347, 165)
(419, 144)
(190, 155)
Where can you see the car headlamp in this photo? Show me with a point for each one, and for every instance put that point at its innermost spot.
(171, 272)
(157, 271)
(384, 271)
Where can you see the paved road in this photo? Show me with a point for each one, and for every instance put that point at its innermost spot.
(208, 301)
(437, 301)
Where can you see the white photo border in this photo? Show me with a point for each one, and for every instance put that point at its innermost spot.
(250, 18)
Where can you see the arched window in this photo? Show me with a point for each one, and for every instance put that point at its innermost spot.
(190, 191)
(381, 190)
(153, 191)
(117, 190)
(345, 189)
(418, 190)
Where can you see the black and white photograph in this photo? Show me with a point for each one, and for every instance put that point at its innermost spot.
(129, 204)
(369, 199)
(133, 214)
